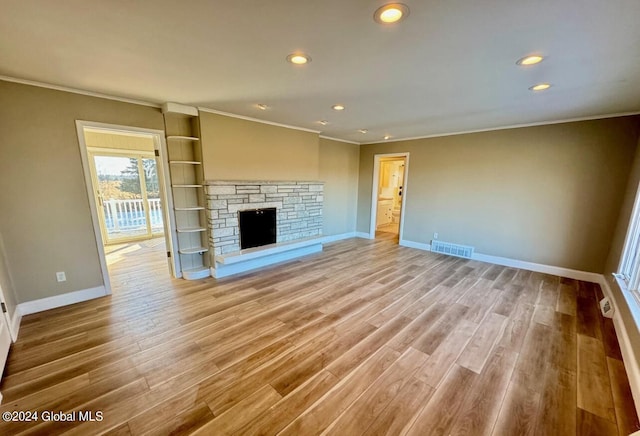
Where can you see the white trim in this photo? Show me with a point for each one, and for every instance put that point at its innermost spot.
(15, 323)
(255, 120)
(88, 181)
(539, 267)
(43, 304)
(180, 109)
(511, 126)
(632, 366)
(170, 224)
(418, 245)
(521, 264)
(160, 144)
(263, 251)
(78, 91)
(339, 237)
(363, 235)
(374, 191)
(384, 141)
(338, 139)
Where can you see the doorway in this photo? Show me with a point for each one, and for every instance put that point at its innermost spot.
(390, 176)
(130, 202)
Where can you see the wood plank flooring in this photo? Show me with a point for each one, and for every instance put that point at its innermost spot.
(366, 338)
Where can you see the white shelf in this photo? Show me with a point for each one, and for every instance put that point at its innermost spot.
(195, 250)
(196, 273)
(191, 229)
(183, 138)
(187, 186)
(185, 162)
(189, 208)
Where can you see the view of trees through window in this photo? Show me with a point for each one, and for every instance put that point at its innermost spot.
(123, 182)
(120, 182)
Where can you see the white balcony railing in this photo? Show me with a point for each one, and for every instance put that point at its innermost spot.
(127, 215)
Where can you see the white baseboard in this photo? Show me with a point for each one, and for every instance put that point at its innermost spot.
(43, 304)
(363, 235)
(14, 328)
(538, 267)
(418, 245)
(514, 263)
(340, 237)
(631, 364)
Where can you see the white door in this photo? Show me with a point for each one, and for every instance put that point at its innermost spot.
(5, 338)
(5, 343)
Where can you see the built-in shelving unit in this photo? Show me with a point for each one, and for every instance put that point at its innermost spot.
(182, 128)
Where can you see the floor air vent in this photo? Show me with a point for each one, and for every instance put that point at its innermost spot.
(452, 249)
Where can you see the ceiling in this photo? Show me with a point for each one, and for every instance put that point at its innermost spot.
(449, 67)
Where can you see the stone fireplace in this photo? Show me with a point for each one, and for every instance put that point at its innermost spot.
(298, 207)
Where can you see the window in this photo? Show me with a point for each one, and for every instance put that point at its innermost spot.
(629, 270)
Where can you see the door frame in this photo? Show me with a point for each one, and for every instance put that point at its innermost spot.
(374, 192)
(166, 196)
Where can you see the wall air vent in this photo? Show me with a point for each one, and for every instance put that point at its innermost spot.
(606, 308)
(452, 249)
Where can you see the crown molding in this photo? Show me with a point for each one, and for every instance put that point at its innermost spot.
(512, 126)
(338, 139)
(77, 91)
(255, 120)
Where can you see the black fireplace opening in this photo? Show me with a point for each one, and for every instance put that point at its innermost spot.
(257, 227)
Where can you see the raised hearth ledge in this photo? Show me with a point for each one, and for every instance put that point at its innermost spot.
(262, 182)
(252, 258)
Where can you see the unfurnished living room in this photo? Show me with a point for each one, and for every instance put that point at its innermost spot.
(330, 217)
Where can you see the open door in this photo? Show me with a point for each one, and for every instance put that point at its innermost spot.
(5, 333)
(5, 341)
(389, 188)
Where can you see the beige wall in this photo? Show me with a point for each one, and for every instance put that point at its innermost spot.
(237, 149)
(44, 214)
(615, 254)
(548, 194)
(339, 170)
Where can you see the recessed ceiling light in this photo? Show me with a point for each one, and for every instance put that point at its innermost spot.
(540, 87)
(324, 122)
(298, 58)
(337, 107)
(530, 60)
(362, 130)
(391, 13)
(387, 137)
(262, 106)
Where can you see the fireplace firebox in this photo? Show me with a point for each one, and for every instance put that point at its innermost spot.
(257, 227)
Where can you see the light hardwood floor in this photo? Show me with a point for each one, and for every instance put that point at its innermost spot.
(364, 338)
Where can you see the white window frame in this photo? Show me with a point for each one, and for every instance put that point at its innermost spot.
(629, 268)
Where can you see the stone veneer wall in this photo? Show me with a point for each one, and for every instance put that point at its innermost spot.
(298, 209)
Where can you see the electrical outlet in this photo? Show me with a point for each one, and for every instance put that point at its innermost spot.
(61, 276)
(435, 235)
